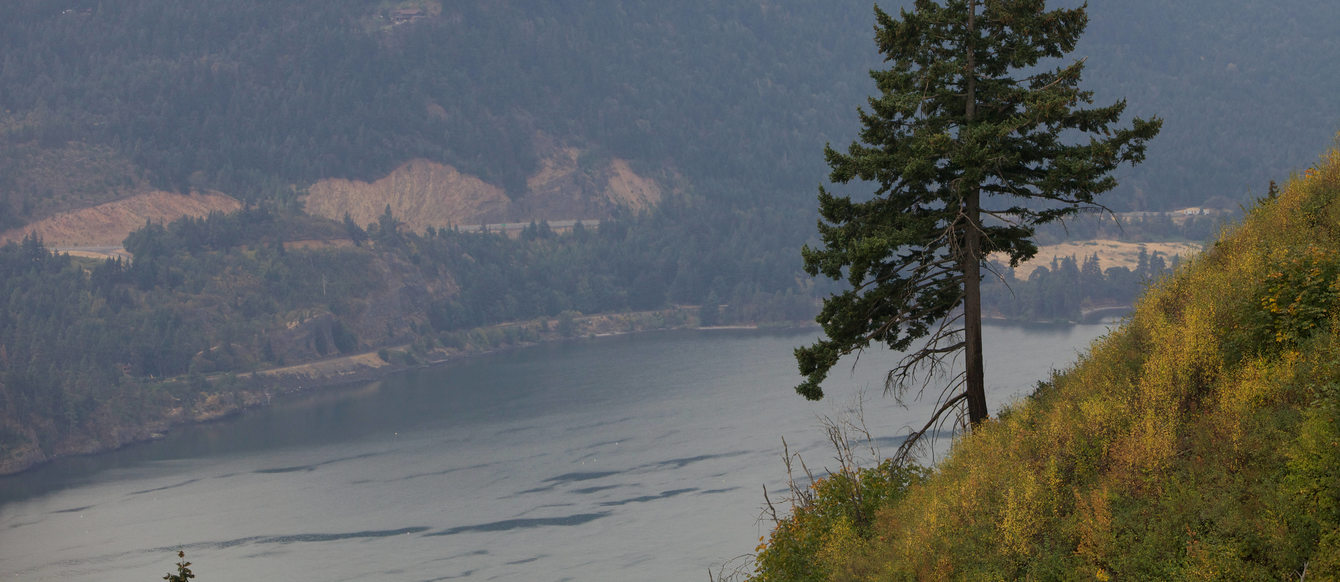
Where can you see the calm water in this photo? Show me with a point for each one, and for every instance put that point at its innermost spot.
(623, 458)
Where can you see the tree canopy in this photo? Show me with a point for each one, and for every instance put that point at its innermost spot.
(970, 144)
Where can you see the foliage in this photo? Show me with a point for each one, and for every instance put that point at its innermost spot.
(832, 524)
(104, 352)
(184, 572)
(1299, 297)
(971, 143)
(1063, 291)
(250, 97)
(1189, 444)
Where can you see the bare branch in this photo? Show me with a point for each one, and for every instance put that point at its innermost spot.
(905, 451)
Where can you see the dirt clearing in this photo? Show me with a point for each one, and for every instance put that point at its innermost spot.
(1110, 253)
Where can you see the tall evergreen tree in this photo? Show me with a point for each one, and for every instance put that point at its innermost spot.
(970, 145)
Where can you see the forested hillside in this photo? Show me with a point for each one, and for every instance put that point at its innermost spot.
(251, 97)
(260, 99)
(94, 354)
(1196, 442)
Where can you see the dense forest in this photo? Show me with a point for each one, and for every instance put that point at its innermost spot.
(258, 99)
(250, 97)
(95, 351)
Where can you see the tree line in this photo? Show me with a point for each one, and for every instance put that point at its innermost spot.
(1066, 288)
(90, 348)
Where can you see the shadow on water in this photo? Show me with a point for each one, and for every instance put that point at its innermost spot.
(680, 463)
(596, 489)
(513, 524)
(73, 509)
(304, 538)
(647, 498)
(554, 482)
(164, 488)
(313, 466)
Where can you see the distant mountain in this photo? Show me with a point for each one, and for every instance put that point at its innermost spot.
(261, 99)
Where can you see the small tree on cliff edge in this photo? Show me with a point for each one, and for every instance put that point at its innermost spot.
(968, 154)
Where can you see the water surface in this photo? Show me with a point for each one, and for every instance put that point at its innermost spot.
(637, 457)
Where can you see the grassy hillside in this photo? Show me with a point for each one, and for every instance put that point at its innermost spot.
(1198, 441)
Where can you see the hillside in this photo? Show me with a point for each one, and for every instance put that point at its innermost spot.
(98, 353)
(262, 99)
(428, 194)
(1196, 442)
(107, 224)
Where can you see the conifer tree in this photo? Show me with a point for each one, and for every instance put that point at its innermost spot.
(970, 144)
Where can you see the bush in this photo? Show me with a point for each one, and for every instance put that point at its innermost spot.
(831, 524)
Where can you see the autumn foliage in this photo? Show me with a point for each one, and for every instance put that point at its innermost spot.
(1196, 442)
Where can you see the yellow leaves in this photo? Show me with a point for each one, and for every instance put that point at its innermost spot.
(1021, 520)
(1172, 409)
(840, 544)
(1094, 517)
(1256, 384)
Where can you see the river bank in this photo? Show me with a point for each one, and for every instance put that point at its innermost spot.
(229, 394)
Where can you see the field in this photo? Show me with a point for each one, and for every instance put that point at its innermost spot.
(1110, 253)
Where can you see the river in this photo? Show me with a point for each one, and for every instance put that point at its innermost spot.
(638, 457)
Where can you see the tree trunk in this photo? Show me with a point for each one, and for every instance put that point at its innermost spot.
(975, 383)
(972, 312)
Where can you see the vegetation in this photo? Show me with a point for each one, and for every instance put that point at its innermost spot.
(97, 353)
(254, 97)
(100, 100)
(250, 97)
(183, 573)
(968, 155)
(1196, 442)
(1068, 288)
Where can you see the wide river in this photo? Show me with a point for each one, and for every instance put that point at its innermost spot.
(638, 457)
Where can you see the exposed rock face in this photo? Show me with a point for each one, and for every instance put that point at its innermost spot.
(109, 224)
(630, 190)
(422, 193)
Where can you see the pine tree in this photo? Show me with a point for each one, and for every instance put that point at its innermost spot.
(970, 145)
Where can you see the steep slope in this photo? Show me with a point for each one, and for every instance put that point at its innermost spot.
(248, 97)
(423, 193)
(1198, 441)
(108, 224)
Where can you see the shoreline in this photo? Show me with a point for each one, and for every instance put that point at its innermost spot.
(260, 388)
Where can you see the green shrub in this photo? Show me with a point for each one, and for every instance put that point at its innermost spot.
(1300, 294)
(831, 523)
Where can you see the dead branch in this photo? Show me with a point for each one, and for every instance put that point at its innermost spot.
(909, 445)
